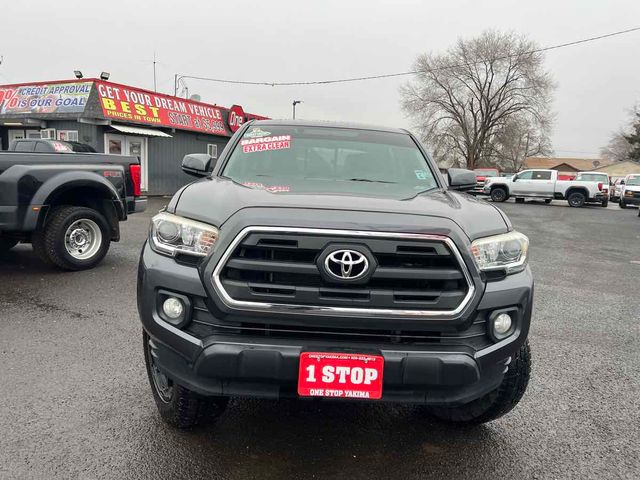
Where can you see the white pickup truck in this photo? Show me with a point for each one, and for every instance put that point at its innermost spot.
(544, 184)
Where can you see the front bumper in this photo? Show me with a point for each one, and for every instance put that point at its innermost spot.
(259, 365)
(627, 200)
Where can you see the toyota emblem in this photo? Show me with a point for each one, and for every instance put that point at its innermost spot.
(346, 264)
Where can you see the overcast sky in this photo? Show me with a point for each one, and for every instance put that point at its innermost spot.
(304, 40)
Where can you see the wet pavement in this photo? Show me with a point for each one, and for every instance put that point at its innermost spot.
(75, 401)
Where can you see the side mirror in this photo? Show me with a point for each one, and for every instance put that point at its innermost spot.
(621, 182)
(461, 179)
(198, 164)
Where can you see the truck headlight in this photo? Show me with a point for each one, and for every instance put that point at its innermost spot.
(507, 252)
(171, 234)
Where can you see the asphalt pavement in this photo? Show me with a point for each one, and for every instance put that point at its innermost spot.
(75, 402)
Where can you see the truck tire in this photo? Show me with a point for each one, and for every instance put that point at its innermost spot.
(178, 406)
(621, 204)
(576, 199)
(499, 194)
(7, 244)
(74, 238)
(37, 242)
(547, 200)
(605, 203)
(497, 403)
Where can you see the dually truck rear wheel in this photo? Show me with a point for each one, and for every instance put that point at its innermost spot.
(74, 238)
(497, 403)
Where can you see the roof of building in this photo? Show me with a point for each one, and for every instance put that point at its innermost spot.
(578, 164)
(620, 168)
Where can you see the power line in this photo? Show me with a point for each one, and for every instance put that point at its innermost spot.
(411, 72)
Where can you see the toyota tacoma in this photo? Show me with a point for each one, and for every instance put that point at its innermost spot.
(333, 261)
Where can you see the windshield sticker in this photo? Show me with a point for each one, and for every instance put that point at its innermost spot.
(256, 132)
(264, 144)
(421, 174)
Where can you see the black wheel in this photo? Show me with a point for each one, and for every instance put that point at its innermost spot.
(7, 244)
(74, 238)
(179, 406)
(547, 200)
(519, 200)
(621, 204)
(498, 194)
(605, 203)
(497, 403)
(576, 199)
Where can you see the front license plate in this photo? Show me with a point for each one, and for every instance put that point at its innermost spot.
(340, 375)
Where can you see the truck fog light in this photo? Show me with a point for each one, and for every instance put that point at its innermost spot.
(173, 308)
(502, 324)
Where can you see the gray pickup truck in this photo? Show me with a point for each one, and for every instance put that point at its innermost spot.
(67, 205)
(332, 261)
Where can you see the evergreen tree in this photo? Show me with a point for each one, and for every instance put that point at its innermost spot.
(634, 140)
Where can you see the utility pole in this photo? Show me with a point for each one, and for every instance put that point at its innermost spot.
(295, 102)
(175, 85)
(155, 88)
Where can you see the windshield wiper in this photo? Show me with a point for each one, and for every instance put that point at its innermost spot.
(367, 180)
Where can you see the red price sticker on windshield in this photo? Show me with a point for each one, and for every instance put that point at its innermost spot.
(279, 142)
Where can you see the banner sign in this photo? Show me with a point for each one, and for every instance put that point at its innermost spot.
(41, 98)
(128, 104)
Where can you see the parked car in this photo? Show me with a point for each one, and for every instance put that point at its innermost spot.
(481, 175)
(355, 274)
(67, 205)
(544, 184)
(630, 191)
(614, 190)
(601, 179)
(37, 145)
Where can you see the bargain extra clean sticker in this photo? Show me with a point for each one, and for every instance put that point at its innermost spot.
(278, 142)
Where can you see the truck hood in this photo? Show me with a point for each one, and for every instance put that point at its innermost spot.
(214, 200)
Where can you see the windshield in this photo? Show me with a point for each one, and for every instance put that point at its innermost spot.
(284, 159)
(633, 180)
(593, 177)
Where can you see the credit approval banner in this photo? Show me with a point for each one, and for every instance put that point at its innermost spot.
(127, 104)
(42, 98)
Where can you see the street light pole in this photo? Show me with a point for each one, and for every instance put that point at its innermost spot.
(295, 102)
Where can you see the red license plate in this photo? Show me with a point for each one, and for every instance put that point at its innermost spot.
(340, 375)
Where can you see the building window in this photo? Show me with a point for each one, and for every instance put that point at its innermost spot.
(212, 150)
(68, 135)
(48, 134)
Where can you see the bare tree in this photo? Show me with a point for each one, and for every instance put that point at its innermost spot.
(461, 100)
(520, 137)
(620, 148)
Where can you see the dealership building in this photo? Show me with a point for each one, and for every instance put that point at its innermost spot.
(118, 119)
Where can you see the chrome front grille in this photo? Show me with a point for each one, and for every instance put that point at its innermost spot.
(276, 269)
